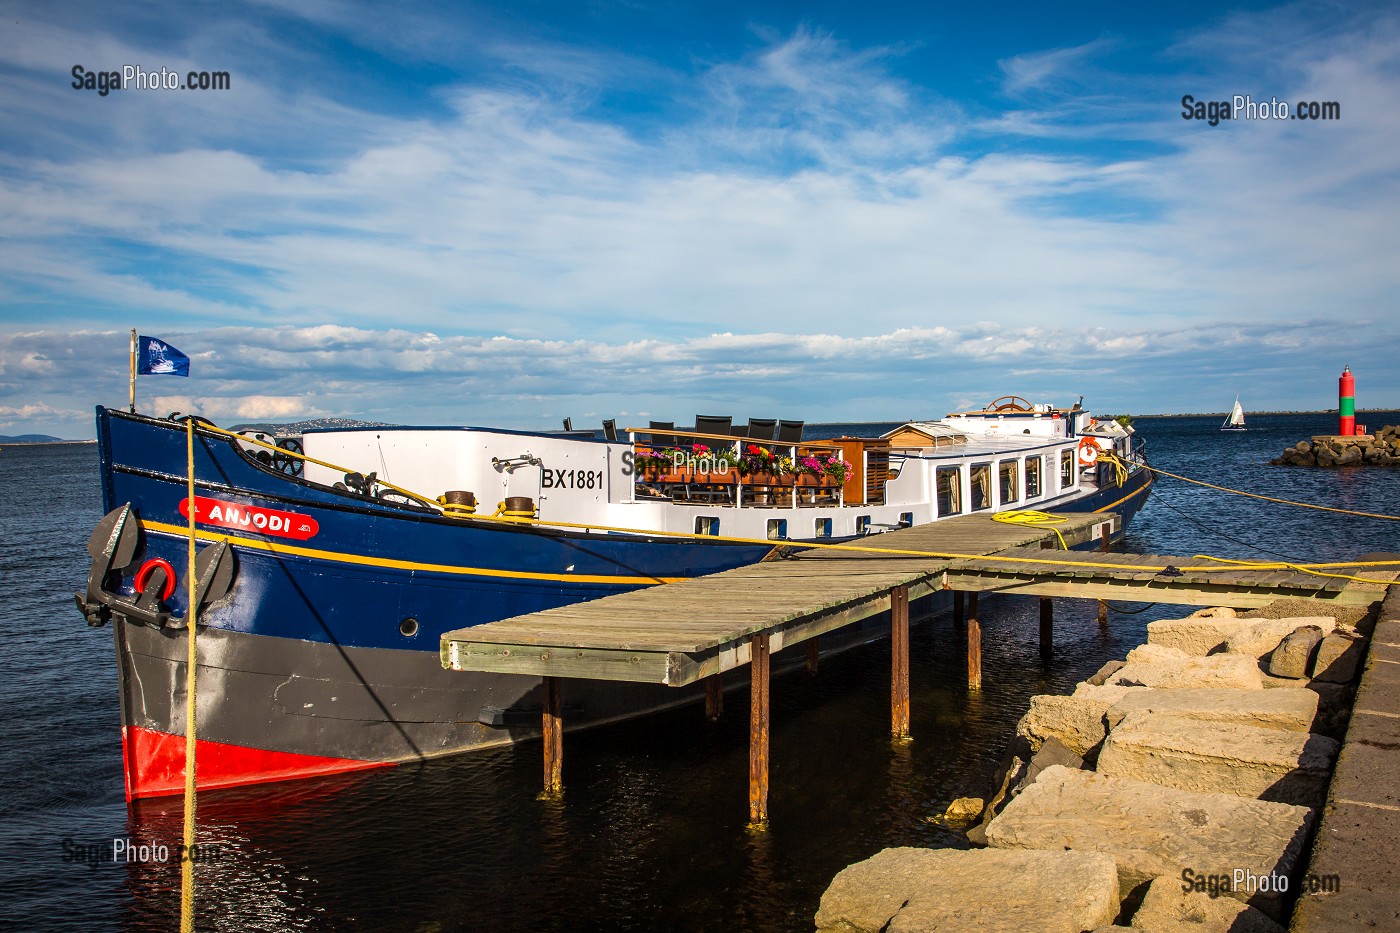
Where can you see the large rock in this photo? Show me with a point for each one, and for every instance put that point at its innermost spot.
(1218, 670)
(1260, 638)
(1198, 636)
(910, 890)
(1294, 655)
(964, 811)
(1339, 657)
(1294, 710)
(1152, 831)
(1228, 758)
(1176, 906)
(1077, 722)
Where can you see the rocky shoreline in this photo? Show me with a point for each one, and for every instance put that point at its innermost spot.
(1379, 449)
(1177, 789)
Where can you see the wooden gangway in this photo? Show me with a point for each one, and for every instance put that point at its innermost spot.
(695, 630)
(683, 632)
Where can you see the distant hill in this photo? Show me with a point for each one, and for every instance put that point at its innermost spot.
(29, 439)
(289, 428)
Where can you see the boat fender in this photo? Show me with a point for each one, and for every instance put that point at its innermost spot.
(1088, 452)
(148, 569)
(362, 484)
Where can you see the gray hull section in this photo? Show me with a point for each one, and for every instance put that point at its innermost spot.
(368, 704)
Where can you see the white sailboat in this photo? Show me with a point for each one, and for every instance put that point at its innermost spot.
(1235, 420)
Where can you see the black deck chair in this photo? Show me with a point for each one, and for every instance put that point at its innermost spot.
(712, 424)
(790, 432)
(663, 440)
(762, 428)
(609, 429)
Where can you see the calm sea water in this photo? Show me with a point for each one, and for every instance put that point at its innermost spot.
(651, 832)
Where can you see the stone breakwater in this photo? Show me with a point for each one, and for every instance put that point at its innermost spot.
(1379, 449)
(1176, 789)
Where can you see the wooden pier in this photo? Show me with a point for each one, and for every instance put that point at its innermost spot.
(691, 631)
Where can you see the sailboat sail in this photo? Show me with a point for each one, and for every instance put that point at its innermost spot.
(1235, 420)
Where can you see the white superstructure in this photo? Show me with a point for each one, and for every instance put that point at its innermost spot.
(1026, 457)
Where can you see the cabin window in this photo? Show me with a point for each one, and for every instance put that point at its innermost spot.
(906, 519)
(1066, 469)
(823, 528)
(981, 486)
(949, 481)
(1033, 465)
(1010, 482)
(777, 529)
(706, 525)
(862, 524)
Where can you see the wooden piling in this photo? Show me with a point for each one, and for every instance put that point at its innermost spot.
(1104, 545)
(899, 662)
(1047, 627)
(814, 648)
(974, 645)
(553, 723)
(714, 697)
(958, 607)
(758, 731)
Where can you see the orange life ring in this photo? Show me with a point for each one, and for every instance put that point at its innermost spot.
(1088, 452)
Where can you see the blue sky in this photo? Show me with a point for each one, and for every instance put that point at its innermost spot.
(506, 214)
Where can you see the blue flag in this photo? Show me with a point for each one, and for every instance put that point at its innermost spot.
(155, 357)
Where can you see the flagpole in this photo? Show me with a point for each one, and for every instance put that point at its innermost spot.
(133, 370)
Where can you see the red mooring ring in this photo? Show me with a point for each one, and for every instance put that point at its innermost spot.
(143, 576)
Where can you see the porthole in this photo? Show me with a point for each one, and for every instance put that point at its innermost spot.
(408, 627)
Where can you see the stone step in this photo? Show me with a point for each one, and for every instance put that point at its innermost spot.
(1294, 710)
(909, 890)
(1224, 757)
(1151, 831)
(1160, 669)
(1174, 906)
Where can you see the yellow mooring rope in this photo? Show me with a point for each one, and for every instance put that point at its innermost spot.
(1267, 565)
(859, 548)
(1253, 495)
(187, 860)
(1032, 517)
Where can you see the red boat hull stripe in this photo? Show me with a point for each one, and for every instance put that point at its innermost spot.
(155, 764)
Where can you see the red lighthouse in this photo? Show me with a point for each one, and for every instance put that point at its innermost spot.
(1346, 403)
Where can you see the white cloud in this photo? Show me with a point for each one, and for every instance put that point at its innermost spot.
(801, 221)
(241, 408)
(1036, 70)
